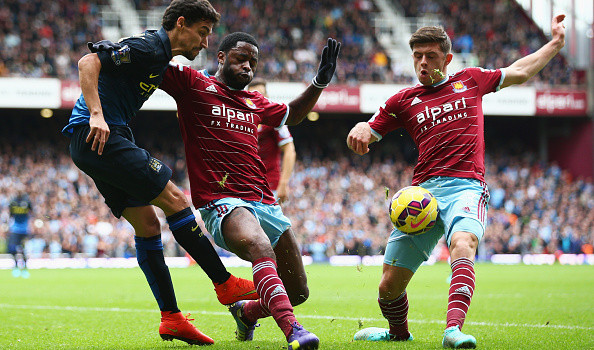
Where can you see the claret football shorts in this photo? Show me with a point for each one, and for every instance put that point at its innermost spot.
(271, 218)
(462, 204)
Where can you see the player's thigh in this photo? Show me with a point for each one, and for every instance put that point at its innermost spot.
(463, 204)
(116, 199)
(290, 267)
(123, 164)
(243, 235)
(410, 252)
(144, 220)
(15, 240)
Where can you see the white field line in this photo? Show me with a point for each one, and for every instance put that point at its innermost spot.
(340, 318)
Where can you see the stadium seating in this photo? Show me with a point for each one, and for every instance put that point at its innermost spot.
(34, 44)
(338, 201)
(46, 38)
(477, 27)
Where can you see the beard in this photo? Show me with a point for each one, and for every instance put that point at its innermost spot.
(234, 81)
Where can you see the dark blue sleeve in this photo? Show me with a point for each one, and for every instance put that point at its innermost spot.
(134, 52)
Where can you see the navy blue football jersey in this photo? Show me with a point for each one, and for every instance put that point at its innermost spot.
(128, 77)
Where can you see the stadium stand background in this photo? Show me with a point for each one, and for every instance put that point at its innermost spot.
(338, 203)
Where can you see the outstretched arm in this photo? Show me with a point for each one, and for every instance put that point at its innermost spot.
(360, 137)
(302, 105)
(526, 67)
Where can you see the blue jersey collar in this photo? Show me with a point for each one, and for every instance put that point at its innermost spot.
(166, 43)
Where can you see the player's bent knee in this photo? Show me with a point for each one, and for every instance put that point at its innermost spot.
(149, 228)
(389, 291)
(251, 249)
(171, 200)
(463, 244)
(299, 295)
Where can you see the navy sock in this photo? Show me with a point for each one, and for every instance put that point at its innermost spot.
(187, 233)
(149, 253)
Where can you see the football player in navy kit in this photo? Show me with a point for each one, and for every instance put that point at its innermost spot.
(20, 212)
(115, 82)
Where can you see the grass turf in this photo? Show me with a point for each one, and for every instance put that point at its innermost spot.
(514, 307)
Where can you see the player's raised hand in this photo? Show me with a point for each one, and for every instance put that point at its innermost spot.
(558, 29)
(327, 64)
(103, 45)
(99, 133)
(359, 138)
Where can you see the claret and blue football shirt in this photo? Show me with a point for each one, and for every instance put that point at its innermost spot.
(445, 121)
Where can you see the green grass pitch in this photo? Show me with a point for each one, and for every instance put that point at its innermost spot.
(514, 307)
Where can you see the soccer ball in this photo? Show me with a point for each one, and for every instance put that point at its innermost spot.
(413, 210)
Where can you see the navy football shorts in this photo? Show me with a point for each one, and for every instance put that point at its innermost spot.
(15, 242)
(125, 174)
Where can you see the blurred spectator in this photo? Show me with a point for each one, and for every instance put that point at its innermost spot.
(498, 32)
(47, 38)
(338, 204)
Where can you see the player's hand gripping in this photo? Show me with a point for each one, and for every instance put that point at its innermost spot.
(103, 45)
(99, 133)
(360, 137)
(327, 64)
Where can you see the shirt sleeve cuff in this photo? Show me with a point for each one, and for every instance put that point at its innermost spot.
(284, 118)
(376, 134)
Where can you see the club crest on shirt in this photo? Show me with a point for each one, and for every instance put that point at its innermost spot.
(121, 56)
(250, 103)
(155, 164)
(459, 86)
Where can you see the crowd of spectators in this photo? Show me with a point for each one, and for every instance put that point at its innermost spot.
(338, 201)
(499, 32)
(46, 38)
(41, 39)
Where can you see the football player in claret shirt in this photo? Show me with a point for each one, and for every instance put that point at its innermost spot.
(219, 125)
(444, 116)
(276, 149)
(115, 82)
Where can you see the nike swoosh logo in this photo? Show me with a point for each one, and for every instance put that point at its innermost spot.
(153, 76)
(195, 228)
(412, 224)
(174, 330)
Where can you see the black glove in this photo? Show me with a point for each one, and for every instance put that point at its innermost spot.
(103, 45)
(327, 64)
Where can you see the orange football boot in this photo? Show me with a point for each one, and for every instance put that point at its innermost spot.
(234, 290)
(178, 326)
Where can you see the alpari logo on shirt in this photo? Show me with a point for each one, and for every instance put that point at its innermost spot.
(250, 103)
(231, 113)
(435, 112)
(459, 86)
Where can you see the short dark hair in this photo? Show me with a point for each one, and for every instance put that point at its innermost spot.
(232, 39)
(192, 10)
(256, 82)
(426, 35)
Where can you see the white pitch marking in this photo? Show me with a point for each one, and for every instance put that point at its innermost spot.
(220, 313)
